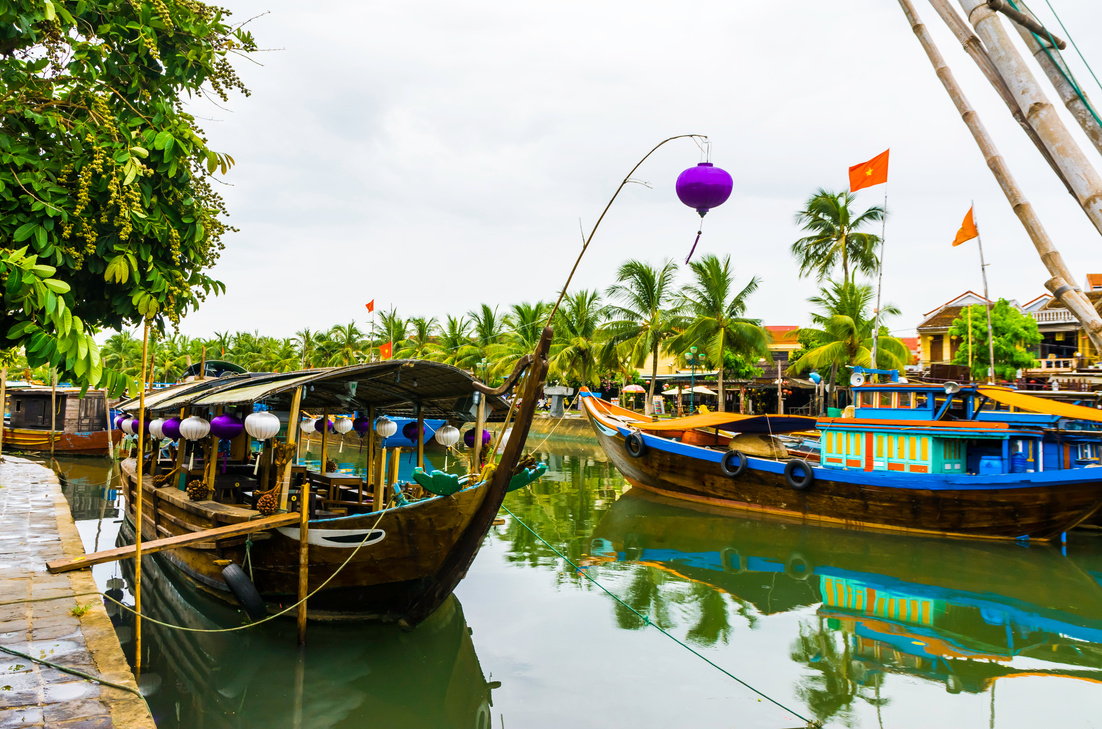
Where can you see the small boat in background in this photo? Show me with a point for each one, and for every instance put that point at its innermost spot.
(916, 458)
(81, 425)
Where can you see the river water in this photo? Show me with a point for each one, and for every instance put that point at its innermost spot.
(848, 628)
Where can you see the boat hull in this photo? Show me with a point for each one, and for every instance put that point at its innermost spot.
(1036, 506)
(403, 552)
(95, 443)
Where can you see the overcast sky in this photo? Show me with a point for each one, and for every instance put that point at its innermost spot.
(436, 155)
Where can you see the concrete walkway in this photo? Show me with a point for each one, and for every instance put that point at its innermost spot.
(36, 526)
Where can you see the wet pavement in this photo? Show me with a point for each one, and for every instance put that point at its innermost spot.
(56, 618)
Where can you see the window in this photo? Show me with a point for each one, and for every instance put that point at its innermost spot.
(906, 400)
(885, 399)
(868, 399)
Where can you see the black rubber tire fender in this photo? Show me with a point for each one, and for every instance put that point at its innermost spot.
(795, 561)
(244, 591)
(635, 444)
(798, 483)
(729, 469)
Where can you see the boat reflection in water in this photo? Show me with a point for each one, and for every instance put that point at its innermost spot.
(958, 612)
(351, 675)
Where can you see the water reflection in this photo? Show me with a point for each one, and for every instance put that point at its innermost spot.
(351, 675)
(958, 613)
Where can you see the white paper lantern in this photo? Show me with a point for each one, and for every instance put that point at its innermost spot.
(385, 427)
(262, 425)
(447, 435)
(155, 428)
(343, 425)
(306, 426)
(194, 428)
(127, 426)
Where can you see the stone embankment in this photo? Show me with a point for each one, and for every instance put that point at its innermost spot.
(55, 618)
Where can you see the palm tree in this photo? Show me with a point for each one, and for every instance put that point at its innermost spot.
(834, 236)
(522, 327)
(644, 316)
(575, 353)
(279, 355)
(419, 344)
(123, 352)
(715, 319)
(844, 332)
(349, 345)
(486, 325)
(307, 343)
(455, 346)
(393, 328)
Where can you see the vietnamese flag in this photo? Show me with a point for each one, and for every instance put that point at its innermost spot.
(385, 350)
(968, 229)
(371, 306)
(867, 174)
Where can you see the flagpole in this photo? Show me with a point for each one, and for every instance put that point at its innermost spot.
(880, 279)
(983, 270)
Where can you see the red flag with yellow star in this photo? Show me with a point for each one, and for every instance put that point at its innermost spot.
(386, 350)
(867, 174)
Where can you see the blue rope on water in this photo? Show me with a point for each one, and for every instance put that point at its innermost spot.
(646, 621)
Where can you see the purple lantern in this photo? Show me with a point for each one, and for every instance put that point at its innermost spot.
(118, 421)
(409, 430)
(703, 187)
(226, 426)
(171, 429)
(468, 438)
(361, 425)
(321, 423)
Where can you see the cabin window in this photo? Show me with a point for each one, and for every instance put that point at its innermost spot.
(885, 400)
(18, 405)
(906, 400)
(868, 399)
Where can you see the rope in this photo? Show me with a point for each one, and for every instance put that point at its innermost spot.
(73, 671)
(1060, 65)
(1073, 43)
(284, 611)
(646, 621)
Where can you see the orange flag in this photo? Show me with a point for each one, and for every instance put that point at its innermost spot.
(867, 174)
(385, 350)
(371, 305)
(967, 230)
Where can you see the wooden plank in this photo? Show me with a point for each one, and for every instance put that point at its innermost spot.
(181, 540)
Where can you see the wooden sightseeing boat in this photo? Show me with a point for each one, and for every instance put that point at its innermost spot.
(922, 462)
(84, 430)
(402, 561)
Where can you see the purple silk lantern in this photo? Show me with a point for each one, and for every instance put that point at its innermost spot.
(118, 421)
(226, 426)
(171, 429)
(468, 438)
(322, 423)
(702, 188)
(409, 430)
(361, 425)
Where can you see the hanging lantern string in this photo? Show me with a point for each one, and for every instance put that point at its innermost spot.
(700, 230)
(589, 239)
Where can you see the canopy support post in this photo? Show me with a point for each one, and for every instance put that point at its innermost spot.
(292, 429)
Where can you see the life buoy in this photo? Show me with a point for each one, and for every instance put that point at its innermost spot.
(635, 444)
(244, 591)
(799, 483)
(731, 557)
(733, 463)
(797, 567)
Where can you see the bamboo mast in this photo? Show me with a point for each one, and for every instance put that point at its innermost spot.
(1085, 182)
(292, 429)
(1062, 284)
(1058, 73)
(138, 499)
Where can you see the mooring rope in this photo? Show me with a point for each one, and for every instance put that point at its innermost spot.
(72, 671)
(646, 621)
(273, 616)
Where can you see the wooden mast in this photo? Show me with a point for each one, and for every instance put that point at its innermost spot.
(292, 429)
(1062, 283)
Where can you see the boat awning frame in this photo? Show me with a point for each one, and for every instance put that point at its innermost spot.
(757, 424)
(1020, 400)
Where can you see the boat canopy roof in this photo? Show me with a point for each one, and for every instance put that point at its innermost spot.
(1017, 399)
(394, 387)
(758, 424)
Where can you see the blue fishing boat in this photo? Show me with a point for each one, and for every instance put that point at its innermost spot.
(936, 459)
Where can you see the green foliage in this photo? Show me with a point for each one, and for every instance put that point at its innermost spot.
(844, 331)
(834, 236)
(1016, 336)
(103, 175)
